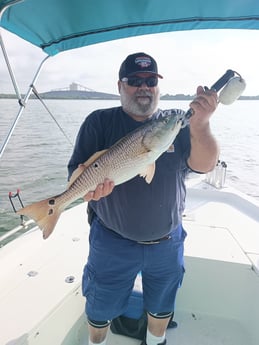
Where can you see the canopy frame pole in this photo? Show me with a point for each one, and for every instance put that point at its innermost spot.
(22, 101)
(9, 67)
(7, 61)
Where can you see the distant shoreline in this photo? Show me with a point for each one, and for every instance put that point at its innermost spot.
(89, 95)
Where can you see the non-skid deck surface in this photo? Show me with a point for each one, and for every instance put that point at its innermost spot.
(198, 330)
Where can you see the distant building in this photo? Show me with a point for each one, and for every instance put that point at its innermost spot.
(73, 87)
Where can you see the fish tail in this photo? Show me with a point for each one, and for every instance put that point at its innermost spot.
(45, 213)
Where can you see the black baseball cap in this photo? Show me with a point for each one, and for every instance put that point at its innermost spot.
(138, 63)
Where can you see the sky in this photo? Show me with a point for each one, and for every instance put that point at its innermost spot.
(185, 59)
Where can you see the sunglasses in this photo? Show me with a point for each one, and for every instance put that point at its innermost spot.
(138, 81)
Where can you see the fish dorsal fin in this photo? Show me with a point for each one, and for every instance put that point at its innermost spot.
(149, 172)
(77, 172)
(94, 157)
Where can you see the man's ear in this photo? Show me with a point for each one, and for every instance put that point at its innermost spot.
(119, 86)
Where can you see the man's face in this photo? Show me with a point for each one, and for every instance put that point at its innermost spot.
(139, 101)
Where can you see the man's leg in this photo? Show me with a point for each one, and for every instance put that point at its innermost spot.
(162, 275)
(108, 278)
(158, 325)
(156, 329)
(97, 335)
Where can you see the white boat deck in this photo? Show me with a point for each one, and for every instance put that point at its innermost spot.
(218, 303)
(236, 218)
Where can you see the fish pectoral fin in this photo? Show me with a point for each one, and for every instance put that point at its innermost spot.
(149, 172)
(81, 167)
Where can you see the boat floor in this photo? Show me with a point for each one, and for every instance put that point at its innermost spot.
(216, 305)
(196, 329)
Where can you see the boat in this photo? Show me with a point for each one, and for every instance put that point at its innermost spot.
(40, 291)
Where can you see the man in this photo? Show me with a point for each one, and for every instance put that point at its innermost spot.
(136, 226)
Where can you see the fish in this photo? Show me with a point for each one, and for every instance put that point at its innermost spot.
(134, 154)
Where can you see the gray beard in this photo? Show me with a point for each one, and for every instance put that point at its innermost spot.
(133, 106)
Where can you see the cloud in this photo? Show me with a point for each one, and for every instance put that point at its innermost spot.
(185, 59)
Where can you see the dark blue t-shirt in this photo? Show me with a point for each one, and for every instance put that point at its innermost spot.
(135, 209)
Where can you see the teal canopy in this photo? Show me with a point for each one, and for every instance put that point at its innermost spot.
(59, 25)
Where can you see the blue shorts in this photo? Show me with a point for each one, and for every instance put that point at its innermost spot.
(114, 263)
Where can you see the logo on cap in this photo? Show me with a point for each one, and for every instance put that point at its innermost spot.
(143, 61)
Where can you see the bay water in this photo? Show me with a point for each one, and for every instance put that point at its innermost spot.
(36, 157)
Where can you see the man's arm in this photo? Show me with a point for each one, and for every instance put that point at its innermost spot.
(204, 147)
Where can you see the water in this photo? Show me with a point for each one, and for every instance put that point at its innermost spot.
(36, 157)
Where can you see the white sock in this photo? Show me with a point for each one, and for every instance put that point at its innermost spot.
(153, 340)
(102, 343)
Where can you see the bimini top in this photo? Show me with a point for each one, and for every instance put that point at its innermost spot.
(59, 25)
